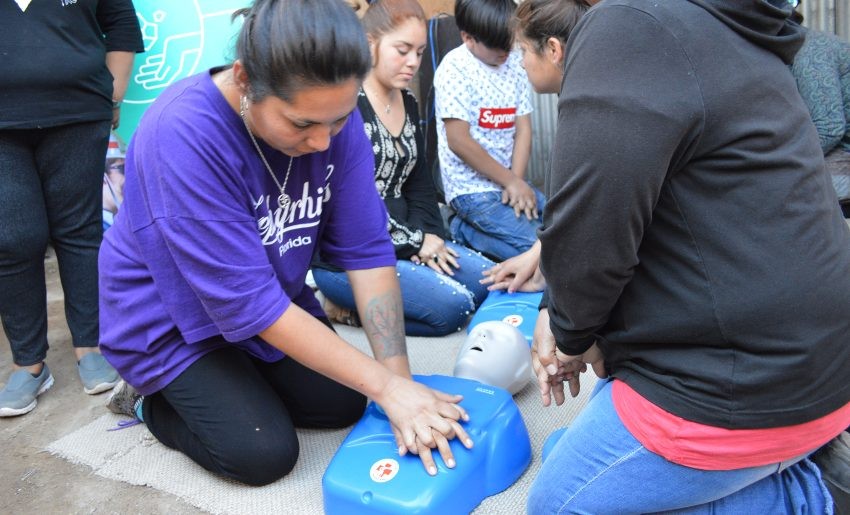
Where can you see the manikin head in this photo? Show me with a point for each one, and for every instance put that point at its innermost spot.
(497, 354)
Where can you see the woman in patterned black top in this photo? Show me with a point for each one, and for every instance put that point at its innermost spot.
(439, 279)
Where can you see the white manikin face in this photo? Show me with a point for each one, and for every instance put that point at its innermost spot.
(497, 354)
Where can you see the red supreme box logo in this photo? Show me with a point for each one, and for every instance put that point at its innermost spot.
(497, 118)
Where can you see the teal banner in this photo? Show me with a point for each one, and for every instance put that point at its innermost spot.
(181, 39)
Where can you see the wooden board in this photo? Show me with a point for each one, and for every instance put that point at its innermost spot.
(433, 7)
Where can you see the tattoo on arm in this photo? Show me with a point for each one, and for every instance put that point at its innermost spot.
(384, 325)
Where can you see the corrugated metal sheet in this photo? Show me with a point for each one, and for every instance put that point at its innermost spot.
(827, 15)
(544, 121)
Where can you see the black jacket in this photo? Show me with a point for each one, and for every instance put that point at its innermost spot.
(691, 228)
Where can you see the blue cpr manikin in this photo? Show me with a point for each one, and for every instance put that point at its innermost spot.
(368, 476)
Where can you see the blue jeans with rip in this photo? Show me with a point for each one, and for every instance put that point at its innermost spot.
(483, 223)
(51, 192)
(598, 467)
(434, 304)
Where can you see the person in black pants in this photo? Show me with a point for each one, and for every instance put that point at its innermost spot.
(235, 178)
(65, 70)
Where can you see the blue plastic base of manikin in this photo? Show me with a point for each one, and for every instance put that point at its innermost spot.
(368, 476)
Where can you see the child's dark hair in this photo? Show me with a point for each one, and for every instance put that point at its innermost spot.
(286, 45)
(488, 21)
(538, 20)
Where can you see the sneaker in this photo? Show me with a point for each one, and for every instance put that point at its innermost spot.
(123, 399)
(96, 373)
(19, 394)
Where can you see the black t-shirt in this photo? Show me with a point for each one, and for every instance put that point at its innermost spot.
(53, 58)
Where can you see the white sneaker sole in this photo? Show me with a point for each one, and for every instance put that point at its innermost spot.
(13, 412)
(102, 387)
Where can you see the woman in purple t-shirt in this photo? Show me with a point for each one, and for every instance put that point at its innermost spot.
(234, 179)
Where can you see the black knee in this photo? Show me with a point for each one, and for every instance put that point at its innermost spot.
(262, 463)
(345, 412)
(352, 411)
(21, 247)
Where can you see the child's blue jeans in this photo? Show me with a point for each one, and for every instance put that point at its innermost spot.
(488, 226)
(599, 467)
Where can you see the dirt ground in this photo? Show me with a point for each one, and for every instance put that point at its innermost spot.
(34, 481)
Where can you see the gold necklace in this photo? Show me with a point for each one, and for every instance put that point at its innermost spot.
(283, 199)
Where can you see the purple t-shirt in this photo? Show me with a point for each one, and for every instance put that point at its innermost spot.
(200, 249)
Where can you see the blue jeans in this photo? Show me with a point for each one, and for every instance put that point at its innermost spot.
(488, 226)
(599, 467)
(51, 192)
(434, 304)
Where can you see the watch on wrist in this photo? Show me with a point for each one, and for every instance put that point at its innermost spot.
(116, 104)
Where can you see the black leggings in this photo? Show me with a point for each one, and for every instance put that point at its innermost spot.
(51, 192)
(236, 415)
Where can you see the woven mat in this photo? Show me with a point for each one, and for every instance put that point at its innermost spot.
(134, 456)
